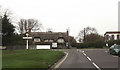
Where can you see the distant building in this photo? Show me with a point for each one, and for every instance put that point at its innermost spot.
(112, 35)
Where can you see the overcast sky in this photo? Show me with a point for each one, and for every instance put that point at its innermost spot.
(61, 14)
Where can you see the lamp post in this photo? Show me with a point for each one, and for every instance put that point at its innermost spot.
(84, 35)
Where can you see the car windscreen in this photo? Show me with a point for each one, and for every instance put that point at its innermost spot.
(117, 46)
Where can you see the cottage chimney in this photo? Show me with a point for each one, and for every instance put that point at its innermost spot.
(67, 32)
(68, 38)
(29, 32)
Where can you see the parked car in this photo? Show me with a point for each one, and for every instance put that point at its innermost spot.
(114, 49)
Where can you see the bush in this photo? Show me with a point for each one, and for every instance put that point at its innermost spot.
(82, 45)
(112, 42)
(74, 44)
(17, 40)
(94, 44)
(118, 42)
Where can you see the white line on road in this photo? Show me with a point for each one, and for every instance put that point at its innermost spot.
(106, 51)
(88, 58)
(91, 60)
(83, 51)
(62, 60)
(84, 54)
(96, 66)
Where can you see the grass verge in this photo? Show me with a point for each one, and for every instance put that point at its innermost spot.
(29, 59)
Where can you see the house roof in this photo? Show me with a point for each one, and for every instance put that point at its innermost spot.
(49, 35)
(112, 32)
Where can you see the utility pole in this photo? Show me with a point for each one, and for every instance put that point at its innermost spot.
(84, 34)
(68, 37)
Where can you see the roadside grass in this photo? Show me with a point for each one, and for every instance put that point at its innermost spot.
(30, 58)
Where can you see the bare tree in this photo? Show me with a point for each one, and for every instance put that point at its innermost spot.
(25, 24)
(94, 37)
(89, 30)
(6, 11)
(86, 31)
(22, 26)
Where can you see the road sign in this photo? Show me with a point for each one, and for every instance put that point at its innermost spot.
(27, 37)
(54, 45)
(67, 44)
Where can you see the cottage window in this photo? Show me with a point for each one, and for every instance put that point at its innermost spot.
(118, 36)
(50, 40)
(112, 37)
(60, 40)
(46, 40)
(36, 39)
(107, 37)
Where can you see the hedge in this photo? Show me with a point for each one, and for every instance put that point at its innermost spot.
(112, 42)
(94, 44)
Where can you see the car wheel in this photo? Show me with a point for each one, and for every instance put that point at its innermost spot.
(110, 52)
(119, 53)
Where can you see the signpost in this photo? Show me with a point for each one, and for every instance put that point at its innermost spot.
(27, 38)
(67, 45)
(54, 45)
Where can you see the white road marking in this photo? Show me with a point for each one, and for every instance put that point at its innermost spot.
(62, 60)
(84, 54)
(96, 66)
(91, 60)
(88, 58)
(106, 51)
(83, 51)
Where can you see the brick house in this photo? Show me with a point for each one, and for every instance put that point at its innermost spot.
(112, 35)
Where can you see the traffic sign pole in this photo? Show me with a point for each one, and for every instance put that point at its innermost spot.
(27, 44)
(27, 38)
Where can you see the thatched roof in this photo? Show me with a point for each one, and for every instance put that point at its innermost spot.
(50, 35)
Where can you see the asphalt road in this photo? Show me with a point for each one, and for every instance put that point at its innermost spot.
(89, 59)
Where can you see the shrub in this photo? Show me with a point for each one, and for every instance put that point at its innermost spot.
(94, 44)
(74, 44)
(112, 42)
(17, 40)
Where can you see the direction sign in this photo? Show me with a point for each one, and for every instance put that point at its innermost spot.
(27, 37)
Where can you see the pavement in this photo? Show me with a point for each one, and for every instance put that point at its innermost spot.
(88, 59)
